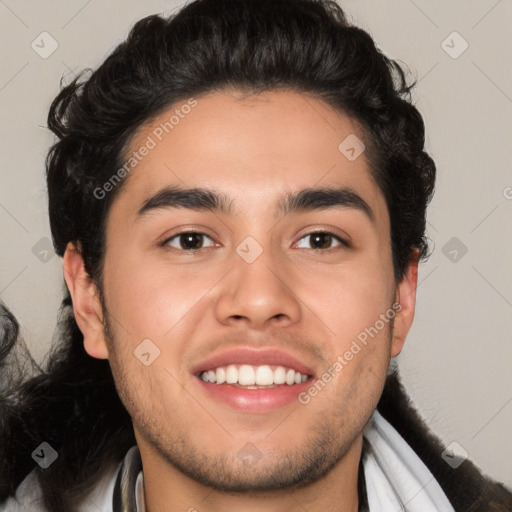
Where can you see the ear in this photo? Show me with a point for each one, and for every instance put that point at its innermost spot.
(406, 298)
(86, 302)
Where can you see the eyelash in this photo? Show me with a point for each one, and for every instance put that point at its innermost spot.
(342, 242)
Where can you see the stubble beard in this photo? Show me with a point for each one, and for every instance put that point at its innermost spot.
(329, 439)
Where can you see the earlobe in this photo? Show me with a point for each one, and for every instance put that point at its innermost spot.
(86, 302)
(406, 297)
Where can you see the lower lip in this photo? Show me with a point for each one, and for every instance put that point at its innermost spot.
(255, 400)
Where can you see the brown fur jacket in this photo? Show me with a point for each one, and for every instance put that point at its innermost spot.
(466, 487)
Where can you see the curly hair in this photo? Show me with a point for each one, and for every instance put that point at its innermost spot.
(307, 46)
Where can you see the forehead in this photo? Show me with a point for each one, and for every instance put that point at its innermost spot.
(251, 148)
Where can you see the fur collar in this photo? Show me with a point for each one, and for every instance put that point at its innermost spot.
(466, 487)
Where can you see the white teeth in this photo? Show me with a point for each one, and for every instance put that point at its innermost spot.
(246, 375)
(280, 375)
(220, 375)
(264, 376)
(252, 376)
(231, 374)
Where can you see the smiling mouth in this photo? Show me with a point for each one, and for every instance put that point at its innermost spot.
(253, 377)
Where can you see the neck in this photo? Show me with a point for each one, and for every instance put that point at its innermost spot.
(166, 489)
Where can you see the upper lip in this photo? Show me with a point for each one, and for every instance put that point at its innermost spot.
(252, 356)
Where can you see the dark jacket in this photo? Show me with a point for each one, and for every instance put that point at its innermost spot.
(466, 487)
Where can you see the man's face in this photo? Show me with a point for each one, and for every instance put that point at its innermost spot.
(255, 287)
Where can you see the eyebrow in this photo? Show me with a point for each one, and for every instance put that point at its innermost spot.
(309, 199)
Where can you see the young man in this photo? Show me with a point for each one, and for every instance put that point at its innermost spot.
(239, 196)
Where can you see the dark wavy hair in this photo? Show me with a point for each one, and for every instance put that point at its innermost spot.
(306, 46)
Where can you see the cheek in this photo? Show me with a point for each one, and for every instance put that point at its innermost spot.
(149, 300)
(355, 376)
(348, 300)
(356, 306)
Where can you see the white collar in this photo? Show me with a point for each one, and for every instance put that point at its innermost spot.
(396, 478)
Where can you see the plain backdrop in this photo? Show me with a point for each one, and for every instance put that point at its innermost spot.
(457, 362)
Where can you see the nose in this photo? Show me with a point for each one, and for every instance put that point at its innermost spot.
(258, 294)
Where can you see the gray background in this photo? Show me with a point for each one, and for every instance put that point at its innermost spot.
(457, 361)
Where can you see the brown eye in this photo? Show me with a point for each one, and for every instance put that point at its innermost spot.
(188, 241)
(321, 240)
